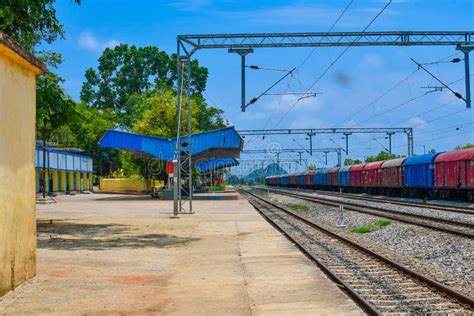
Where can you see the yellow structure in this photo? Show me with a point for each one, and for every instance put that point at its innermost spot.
(65, 171)
(128, 185)
(18, 70)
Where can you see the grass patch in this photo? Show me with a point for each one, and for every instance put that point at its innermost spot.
(363, 229)
(299, 207)
(419, 258)
(382, 222)
(371, 227)
(217, 188)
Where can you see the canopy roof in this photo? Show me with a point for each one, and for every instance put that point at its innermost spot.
(216, 164)
(221, 143)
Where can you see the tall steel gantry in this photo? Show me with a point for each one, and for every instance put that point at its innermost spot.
(310, 132)
(300, 151)
(246, 43)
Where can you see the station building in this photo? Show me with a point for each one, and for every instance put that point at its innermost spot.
(64, 171)
(18, 71)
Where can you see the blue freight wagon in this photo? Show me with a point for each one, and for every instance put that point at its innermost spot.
(418, 174)
(321, 177)
(344, 178)
(283, 180)
(300, 180)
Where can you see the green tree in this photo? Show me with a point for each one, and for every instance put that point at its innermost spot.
(30, 22)
(467, 146)
(53, 107)
(129, 70)
(311, 167)
(350, 162)
(432, 151)
(383, 155)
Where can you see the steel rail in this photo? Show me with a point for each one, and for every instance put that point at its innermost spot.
(447, 208)
(361, 301)
(461, 297)
(391, 214)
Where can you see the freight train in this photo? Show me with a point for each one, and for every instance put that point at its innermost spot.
(447, 175)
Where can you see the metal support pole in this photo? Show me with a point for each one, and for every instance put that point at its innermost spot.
(175, 189)
(468, 77)
(242, 52)
(177, 170)
(300, 152)
(389, 134)
(339, 159)
(311, 143)
(278, 159)
(347, 142)
(242, 81)
(190, 167)
(326, 153)
(410, 142)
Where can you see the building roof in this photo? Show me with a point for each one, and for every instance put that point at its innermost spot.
(13, 47)
(221, 143)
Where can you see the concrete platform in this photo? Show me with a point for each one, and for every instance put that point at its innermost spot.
(100, 254)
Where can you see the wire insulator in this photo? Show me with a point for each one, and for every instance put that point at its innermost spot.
(456, 60)
(254, 67)
(458, 95)
(253, 100)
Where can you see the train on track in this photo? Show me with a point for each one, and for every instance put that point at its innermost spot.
(447, 175)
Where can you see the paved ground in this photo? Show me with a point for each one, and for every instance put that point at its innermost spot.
(100, 254)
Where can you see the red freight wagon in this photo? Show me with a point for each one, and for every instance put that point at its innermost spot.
(355, 175)
(371, 174)
(392, 173)
(292, 181)
(333, 174)
(455, 170)
(309, 179)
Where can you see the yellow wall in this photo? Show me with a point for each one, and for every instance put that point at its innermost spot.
(133, 185)
(17, 170)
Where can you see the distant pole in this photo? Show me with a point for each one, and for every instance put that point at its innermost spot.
(468, 78)
(44, 164)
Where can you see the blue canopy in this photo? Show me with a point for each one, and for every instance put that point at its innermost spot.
(221, 143)
(215, 164)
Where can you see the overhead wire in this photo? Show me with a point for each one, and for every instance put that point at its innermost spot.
(337, 59)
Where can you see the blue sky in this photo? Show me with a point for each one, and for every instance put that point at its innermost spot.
(358, 78)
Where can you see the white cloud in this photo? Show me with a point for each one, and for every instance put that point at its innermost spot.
(309, 104)
(417, 121)
(371, 61)
(88, 41)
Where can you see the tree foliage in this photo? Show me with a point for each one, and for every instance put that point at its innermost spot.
(126, 71)
(311, 167)
(53, 106)
(383, 155)
(30, 22)
(467, 146)
(350, 162)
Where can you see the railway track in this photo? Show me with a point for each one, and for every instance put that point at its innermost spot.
(463, 229)
(447, 208)
(378, 284)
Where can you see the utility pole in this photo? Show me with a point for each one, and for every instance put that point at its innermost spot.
(466, 50)
(389, 134)
(242, 52)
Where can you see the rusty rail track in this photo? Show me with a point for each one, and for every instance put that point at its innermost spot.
(463, 229)
(390, 200)
(418, 293)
